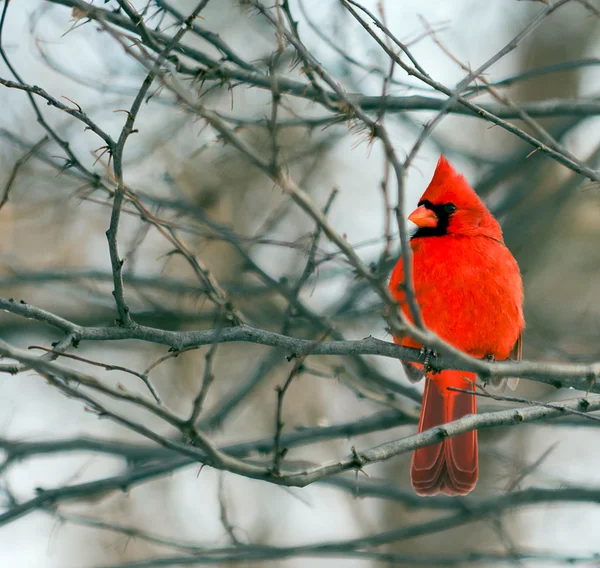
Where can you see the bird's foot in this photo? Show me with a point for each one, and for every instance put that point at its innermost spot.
(427, 355)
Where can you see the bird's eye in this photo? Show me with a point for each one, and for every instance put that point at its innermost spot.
(449, 208)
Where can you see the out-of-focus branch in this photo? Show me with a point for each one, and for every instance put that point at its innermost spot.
(18, 164)
(245, 554)
(207, 453)
(577, 167)
(539, 109)
(17, 450)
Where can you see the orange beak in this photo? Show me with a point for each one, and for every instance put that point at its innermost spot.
(423, 217)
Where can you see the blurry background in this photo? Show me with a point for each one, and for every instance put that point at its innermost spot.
(255, 242)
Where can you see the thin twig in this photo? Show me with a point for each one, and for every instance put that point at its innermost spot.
(207, 380)
(107, 366)
(18, 165)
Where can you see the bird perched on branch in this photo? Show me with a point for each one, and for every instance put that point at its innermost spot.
(470, 293)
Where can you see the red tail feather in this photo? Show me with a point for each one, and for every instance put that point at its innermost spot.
(451, 467)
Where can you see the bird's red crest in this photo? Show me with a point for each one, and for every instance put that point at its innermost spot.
(447, 185)
(443, 171)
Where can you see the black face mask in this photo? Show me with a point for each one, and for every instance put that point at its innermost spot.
(443, 213)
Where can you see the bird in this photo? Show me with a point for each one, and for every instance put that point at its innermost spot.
(469, 290)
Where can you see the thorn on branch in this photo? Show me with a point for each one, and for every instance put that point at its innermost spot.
(359, 460)
(129, 115)
(73, 102)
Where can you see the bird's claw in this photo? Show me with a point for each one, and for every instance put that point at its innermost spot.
(427, 355)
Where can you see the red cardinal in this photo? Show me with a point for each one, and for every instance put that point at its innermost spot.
(469, 289)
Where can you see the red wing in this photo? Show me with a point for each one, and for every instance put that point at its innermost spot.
(517, 351)
(516, 354)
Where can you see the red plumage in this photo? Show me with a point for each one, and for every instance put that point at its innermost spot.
(469, 289)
